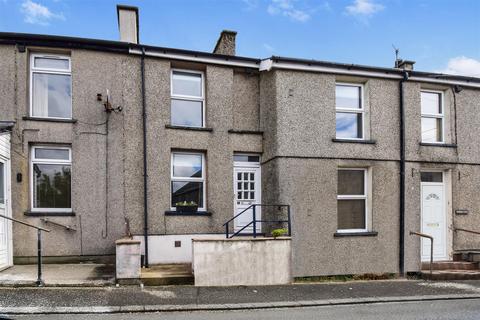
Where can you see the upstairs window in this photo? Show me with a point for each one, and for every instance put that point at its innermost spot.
(51, 169)
(432, 116)
(349, 111)
(187, 93)
(188, 179)
(352, 200)
(50, 86)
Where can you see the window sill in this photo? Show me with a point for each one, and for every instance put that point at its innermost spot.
(354, 141)
(245, 131)
(356, 234)
(442, 145)
(198, 213)
(168, 126)
(49, 214)
(49, 119)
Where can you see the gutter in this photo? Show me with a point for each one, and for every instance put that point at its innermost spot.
(145, 171)
(401, 256)
(365, 71)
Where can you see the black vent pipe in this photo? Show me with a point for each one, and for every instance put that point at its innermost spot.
(145, 177)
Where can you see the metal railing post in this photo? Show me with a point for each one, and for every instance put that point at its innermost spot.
(423, 235)
(226, 230)
(289, 222)
(39, 281)
(39, 259)
(254, 222)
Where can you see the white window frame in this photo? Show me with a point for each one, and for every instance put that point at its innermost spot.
(34, 160)
(203, 179)
(187, 97)
(434, 115)
(34, 69)
(352, 110)
(356, 197)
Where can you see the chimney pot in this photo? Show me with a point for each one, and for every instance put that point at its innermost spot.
(404, 64)
(128, 23)
(226, 43)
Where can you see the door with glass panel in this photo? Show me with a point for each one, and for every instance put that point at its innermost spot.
(4, 223)
(247, 187)
(434, 218)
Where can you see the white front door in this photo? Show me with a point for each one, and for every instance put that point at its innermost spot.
(5, 225)
(434, 219)
(247, 186)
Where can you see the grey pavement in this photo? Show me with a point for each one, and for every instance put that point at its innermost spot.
(78, 274)
(182, 298)
(420, 310)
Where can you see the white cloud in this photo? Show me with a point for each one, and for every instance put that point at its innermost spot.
(463, 66)
(288, 9)
(363, 8)
(36, 13)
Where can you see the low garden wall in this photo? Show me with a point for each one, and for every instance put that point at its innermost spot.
(242, 261)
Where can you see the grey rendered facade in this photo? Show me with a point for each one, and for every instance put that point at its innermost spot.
(281, 109)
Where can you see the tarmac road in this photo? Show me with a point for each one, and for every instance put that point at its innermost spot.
(439, 310)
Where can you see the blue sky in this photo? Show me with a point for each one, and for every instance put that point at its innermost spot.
(441, 35)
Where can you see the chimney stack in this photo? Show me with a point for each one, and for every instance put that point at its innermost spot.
(226, 43)
(404, 64)
(128, 23)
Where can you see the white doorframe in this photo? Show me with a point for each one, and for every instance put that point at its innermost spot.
(5, 159)
(446, 192)
(251, 167)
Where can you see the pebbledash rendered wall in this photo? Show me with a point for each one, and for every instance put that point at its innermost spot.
(300, 163)
(296, 113)
(105, 195)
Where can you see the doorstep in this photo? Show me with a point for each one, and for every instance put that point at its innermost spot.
(167, 274)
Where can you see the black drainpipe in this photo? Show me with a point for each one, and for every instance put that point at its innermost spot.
(402, 177)
(145, 178)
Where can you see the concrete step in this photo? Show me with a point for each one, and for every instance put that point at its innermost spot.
(167, 274)
(446, 275)
(467, 255)
(451, 265)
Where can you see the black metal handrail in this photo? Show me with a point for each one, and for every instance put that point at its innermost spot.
(68, 227)
(39, 281)
(466, 230)
(255, 221)
(423, 235)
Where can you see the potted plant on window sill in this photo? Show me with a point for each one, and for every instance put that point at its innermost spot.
(186, 207)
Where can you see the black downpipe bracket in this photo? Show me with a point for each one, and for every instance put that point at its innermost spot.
(401, 259)
(145, 177)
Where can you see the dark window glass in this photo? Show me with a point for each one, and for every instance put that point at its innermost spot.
(52, 186)
(432, 129)
(187, 84)
(56, 154)
(351, 182)
(51, 95)
(349, 125)
(431, 176)
(348, 97)
(431, 103)
(187, 165)
(245, 158)
(187, 113)
(351, 214)
(52, 63)
(187, 191)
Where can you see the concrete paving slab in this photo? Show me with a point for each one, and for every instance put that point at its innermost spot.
(88, 274)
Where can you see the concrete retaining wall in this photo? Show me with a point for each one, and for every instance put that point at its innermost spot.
(229, 262)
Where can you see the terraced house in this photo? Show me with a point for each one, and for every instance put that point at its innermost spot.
(107, 138)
